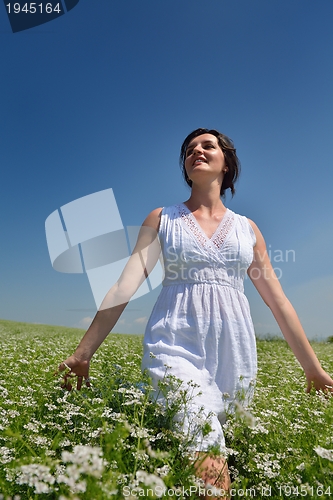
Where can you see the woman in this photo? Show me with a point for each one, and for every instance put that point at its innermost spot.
(200, 326)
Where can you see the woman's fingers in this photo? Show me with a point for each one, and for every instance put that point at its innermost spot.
(79, 383)
(62, 367)
(73, 372)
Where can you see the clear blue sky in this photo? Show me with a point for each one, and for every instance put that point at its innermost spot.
(104, 96)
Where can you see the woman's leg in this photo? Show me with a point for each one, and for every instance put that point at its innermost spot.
(214, 472)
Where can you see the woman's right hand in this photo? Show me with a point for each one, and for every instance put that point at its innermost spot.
(75, 368)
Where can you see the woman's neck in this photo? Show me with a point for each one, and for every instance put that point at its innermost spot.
(205, 199)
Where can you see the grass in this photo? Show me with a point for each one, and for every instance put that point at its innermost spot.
(112, 441)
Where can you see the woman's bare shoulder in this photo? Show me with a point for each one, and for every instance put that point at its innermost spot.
(252, 224)
(259, 237)
(153, 219)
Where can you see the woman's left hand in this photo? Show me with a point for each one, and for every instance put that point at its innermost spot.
(321, 381)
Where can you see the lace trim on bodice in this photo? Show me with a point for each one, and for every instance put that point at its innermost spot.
(188, 218)
(220, 234)
(220, 237)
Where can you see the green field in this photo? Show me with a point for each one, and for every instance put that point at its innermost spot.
(111, 441)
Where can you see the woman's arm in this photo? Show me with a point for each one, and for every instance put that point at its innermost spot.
(138, 267)
(265, 280)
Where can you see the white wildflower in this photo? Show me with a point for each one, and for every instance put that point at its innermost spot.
(6, 455)
(13, 413)
(41, 488)
(229, 451)
(50, 453)
(246, 415)
(140, 433)
(122, 390)
(31, 427)
(65, 442)
(50, 407)
(88, 458)
(163, 471)
(37, 476)
(4, 393)
(95, 433)
(40, 441)
(324, 453)
(259, 428)
(108, 412)
(75, 486)
(152, 481)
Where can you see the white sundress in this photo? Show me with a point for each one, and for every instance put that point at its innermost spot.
(201, 327)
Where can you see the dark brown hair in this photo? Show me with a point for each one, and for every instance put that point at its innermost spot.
(229, 151)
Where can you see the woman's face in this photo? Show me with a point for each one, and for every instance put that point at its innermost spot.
(204, 155)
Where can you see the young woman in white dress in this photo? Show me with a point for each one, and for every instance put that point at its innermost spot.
(200, 325)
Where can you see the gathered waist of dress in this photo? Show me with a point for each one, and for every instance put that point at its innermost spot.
(237, 285)
(214, 274)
